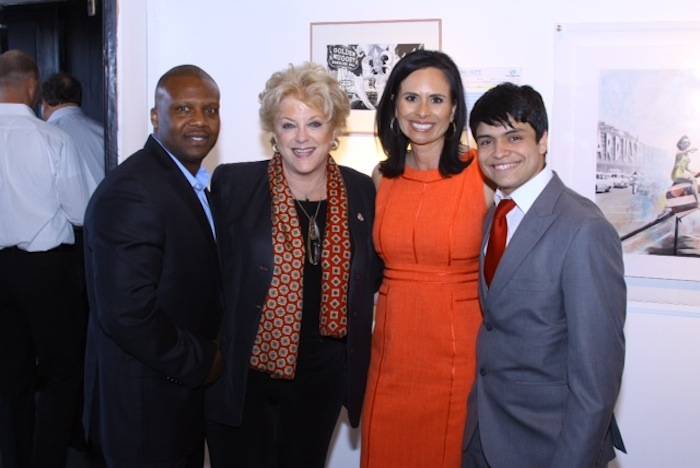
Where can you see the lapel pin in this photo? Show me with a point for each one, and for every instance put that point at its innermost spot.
(360, 217)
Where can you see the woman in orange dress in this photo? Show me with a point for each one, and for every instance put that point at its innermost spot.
(431, 206)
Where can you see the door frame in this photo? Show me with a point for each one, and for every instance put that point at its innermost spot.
(109, 54)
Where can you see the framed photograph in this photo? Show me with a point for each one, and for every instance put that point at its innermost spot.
(626, 131)
(361, 55)
(477, 81)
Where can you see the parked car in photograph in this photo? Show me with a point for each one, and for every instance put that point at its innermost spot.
(619, 180)
(603, 183)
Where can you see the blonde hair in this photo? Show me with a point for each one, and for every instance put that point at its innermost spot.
(311, 84)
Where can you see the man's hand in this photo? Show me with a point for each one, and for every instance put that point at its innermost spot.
(217, 368)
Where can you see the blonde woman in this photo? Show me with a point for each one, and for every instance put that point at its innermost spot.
(299, 269)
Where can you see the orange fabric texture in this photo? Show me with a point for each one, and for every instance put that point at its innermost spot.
(428, 231)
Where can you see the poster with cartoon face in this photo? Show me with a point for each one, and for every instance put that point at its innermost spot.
(362, 69)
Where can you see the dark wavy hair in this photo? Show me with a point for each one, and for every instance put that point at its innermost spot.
(62, 88)
(507, 101)
(394, 142)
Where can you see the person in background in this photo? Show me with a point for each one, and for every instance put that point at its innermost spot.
(299, 272)
(430, 212)
(43, 194)
(681, 167)
(154, 287)
(61, 98)
(552, 288)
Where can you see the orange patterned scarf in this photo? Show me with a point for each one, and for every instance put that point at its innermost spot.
(277, 342)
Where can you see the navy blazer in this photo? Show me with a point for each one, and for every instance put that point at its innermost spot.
(242, 207)
(155, 308)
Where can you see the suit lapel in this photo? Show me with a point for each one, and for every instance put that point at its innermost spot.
(353, 221)
(247, 215)
(181, 186)
(483, 289)
(259, 214)
(533, 226)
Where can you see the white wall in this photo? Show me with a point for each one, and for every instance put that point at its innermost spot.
(132, 77)
(242, 43)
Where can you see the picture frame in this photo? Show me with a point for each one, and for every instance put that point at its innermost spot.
(613, 84)
(477, 81)
(361, 55)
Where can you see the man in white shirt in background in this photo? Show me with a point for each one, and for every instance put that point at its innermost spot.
(61, 98)
(43, 194)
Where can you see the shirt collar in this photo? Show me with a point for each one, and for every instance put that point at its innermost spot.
(9, 108)
(525, 195)
(58, 113)
(198, 182)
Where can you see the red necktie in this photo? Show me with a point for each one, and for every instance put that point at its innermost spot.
(497, 239)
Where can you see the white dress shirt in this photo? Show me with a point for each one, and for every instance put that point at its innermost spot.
(42, 184)
(88, 138)
(199, 183)
(524, 197)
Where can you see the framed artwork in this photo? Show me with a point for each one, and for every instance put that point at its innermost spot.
(361, 55)
(477, 81)
(627, 127)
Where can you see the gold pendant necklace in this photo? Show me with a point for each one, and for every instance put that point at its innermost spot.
(313, 235)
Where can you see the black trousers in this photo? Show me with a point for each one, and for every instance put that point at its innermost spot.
(194, 460)
(42, 334)
(286, 424)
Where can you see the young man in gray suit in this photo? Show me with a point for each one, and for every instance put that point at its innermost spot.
(551, 348)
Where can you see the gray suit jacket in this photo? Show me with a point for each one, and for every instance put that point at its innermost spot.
(551, 348)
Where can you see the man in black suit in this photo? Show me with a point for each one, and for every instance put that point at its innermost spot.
(154, 287)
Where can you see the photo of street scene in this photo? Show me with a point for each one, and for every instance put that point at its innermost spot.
(647, 163)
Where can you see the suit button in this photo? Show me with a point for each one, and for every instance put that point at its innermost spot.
(482, 371)
(488, 326)
(264, 268)
(258, 306)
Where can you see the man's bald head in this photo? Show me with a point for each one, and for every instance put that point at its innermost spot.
(181, 71)
(19, 78)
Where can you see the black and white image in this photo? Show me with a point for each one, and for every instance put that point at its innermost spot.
(362, 69)
(361, 55)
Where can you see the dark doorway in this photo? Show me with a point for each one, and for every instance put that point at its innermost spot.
(75, 36)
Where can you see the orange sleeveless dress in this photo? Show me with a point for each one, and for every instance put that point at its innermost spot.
(428, 232)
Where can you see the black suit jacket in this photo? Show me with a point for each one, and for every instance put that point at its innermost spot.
(242, 206)
(155, 307)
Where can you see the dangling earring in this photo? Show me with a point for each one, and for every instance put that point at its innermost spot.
(335, 144)
(275, 148)
(454, 128)
(391, 124)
